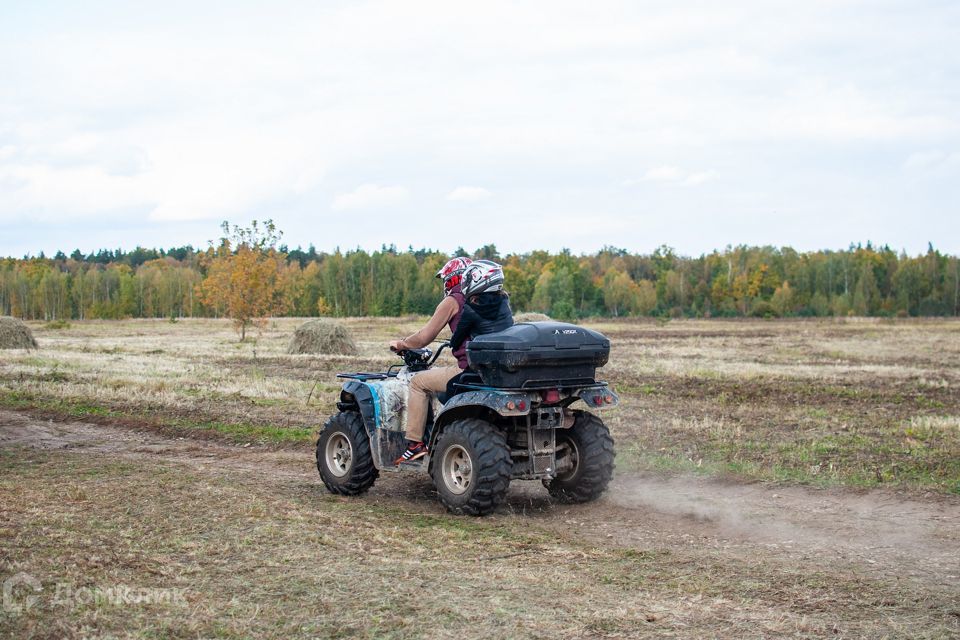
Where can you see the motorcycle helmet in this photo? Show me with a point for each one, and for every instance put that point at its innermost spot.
(452, 272)
(480, 277)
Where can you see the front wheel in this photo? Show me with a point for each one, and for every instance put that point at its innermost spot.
(470, 466)
(343, 455)
(585, 452)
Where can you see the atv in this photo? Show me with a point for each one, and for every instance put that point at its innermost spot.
(511, 420)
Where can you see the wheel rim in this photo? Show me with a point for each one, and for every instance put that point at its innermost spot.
(457, 468)
(574, 455)
(339, 454)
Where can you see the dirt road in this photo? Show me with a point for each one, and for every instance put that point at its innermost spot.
(879, 533)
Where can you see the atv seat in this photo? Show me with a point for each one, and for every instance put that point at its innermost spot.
(456, 385)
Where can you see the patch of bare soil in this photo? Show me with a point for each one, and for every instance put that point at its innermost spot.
(23, 430)
(899, 396)
(878, 533)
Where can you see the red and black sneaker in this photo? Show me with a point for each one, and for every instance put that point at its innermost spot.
(415, 451)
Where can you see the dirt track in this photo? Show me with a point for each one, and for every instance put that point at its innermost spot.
(893, 535)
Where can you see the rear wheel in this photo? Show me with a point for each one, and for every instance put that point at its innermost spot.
(470, 466)
(343, 455)
(585, 453)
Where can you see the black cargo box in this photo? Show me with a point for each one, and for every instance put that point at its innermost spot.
(537, 354)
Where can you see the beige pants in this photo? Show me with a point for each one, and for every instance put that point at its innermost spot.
(432, 380)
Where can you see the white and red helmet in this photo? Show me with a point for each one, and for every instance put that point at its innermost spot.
(452, 272)
(480, 277)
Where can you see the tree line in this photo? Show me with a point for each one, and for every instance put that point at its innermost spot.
(737, 281)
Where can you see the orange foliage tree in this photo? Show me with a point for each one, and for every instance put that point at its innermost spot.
(245, 275)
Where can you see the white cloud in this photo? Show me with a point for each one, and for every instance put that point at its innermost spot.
(663, 174)
(42, 193)
(469, 194)
(246, 112)
(924, 159)
(934, 162)
(673, 176)
(205, 165)
(699, 177)
(368, 196)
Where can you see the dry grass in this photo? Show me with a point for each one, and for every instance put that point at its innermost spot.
(269, 556)
(261, 550)
(825, 402)
(14, 334)
(531, 316)
(322, 336)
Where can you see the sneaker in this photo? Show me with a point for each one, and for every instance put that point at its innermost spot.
(415, 451)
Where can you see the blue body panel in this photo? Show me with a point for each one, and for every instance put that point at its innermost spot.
(366, 402)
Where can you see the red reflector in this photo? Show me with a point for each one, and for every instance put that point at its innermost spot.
(551, 396)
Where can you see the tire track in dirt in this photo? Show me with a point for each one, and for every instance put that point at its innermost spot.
(884, 533)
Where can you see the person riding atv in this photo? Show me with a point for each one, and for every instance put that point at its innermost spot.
(487, 305)
(448, 312)
(484, 308)
(508, 421)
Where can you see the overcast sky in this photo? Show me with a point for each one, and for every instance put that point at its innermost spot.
(528, 125)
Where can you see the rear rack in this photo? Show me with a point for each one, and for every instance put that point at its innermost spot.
(539, 385)
(368, 376)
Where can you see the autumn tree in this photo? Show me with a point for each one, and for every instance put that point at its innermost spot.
(782, 299)
(245, 275)
(519, 284)
(240, 273)
(646, 297)
(620, 293)
(866, 295)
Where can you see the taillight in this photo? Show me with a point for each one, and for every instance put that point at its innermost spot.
(551, 396)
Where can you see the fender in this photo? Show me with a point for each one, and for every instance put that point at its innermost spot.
(484, 403)
(363, 396)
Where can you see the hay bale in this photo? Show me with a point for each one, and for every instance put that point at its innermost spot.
(531, 316)
(322, 336)
(14, 334)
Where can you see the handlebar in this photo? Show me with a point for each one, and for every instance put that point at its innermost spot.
(420, 359)
(443, 345)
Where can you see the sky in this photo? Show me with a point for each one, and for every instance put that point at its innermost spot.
(528, 125)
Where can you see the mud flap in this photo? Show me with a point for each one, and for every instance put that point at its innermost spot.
(388, 439)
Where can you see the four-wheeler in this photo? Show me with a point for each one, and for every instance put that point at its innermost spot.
(516, 418)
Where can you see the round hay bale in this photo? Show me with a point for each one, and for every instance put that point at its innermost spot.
(14, 334)
(531, 316)
(322, 336)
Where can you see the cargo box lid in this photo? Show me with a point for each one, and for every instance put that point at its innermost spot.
(524, 336)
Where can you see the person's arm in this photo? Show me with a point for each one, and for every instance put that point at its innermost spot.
(445, 311)
(467, 321)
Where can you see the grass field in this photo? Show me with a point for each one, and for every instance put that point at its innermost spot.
(861, 403)
(773, 478)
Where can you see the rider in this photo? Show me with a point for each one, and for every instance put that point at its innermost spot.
(487, 308)
(435, 379)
